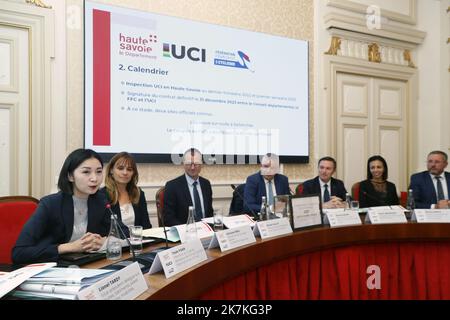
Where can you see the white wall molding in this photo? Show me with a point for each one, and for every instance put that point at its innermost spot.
(357, 24)
(409, 18)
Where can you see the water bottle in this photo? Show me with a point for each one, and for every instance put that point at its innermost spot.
(410, 204)
(263, 212)
(348, 201)
(113, 242)
(191, 229)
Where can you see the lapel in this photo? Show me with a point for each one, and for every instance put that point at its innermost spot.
(447, 177)
(186, 192)
(317, 186)
(430, 187)
(262, 186)
(67, 215)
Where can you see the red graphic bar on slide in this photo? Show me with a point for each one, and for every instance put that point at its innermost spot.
(102, 78)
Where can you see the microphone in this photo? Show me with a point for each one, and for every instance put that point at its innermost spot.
(113, 216)
(244, 202)
(161, 217)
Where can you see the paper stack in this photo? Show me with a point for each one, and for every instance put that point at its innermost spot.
(59, 283)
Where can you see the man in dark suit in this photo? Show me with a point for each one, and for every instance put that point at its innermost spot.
(431, 188)
(265, 183)
(332, 191)
(187, 190)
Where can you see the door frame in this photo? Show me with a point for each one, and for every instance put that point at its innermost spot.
(39, 23)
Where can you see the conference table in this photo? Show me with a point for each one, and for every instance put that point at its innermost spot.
(385, 261)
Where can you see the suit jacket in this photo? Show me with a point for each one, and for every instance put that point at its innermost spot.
(312, 186)
(177, 200)
(52, 224)
(237, 202)
(423, 189)
(140, 212)
(369, 197)
(255, 189)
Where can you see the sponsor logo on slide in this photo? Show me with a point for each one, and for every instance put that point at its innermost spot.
(137, 45)
(234, 60)
(192, 53)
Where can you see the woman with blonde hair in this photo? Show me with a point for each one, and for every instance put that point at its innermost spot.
(126, 198)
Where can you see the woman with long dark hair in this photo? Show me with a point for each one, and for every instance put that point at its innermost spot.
(376, 190)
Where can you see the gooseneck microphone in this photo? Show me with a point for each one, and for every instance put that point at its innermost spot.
(113, 216)
(244, 203)
(161, 217)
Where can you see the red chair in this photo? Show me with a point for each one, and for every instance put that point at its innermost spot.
(355, 191)
(299, 189)
(14, 212)
(403, 198)
(159, 197)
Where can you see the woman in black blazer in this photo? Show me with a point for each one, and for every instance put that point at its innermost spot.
(376, 190)
(72, 220)
(127, 200)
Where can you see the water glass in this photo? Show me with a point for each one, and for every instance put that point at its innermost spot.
(136, 238)
(218, 220)
(354, 205)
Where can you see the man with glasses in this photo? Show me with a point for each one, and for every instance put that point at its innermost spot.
(187, 190)
(268, 182)
(431, 188)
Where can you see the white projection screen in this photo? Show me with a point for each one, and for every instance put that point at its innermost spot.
(157, 85)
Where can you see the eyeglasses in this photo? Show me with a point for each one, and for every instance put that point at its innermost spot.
(193, 164)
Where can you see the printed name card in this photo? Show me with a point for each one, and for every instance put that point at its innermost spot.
(305, 211)
(432, 215)
(385, 216)
(232, 238)
(238, 221)
(272, 228)
(203, 230)
(179, 258)
(125, 284)
(341, 218)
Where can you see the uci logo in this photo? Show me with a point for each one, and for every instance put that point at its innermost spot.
(193, 53)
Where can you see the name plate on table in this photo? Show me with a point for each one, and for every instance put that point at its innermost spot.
(305, 211)
(342, 218)
(272, 228)
(179, 258)
(385, 216)
(238, 221)
(203, 230)
(125, 284)
(232, 238)
(431, 215)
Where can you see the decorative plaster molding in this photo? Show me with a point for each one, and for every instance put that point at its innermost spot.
(352, 6)
(370, 49)
(39, 3)
(350, 23)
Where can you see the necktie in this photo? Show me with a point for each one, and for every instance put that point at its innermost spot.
(197, 204)
(326, 194)
(440, 191)
(270, 200)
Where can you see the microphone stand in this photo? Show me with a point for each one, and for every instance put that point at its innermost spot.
(244, 203)
(113, 216)
(161, 217)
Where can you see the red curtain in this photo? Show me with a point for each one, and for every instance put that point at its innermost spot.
(406, 270)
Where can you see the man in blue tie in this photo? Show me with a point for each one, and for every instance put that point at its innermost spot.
(332, 191)
(268, 182)
(431, 188)
(187, 190)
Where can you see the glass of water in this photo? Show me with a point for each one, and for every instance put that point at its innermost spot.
(354, 205)
(136, 238)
